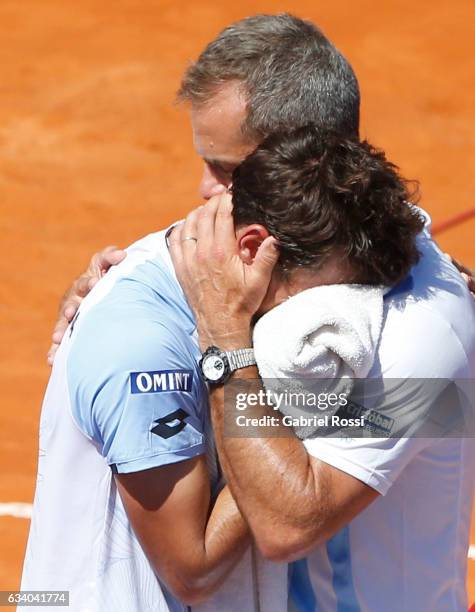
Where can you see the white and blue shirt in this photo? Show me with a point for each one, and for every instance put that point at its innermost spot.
(407, 551)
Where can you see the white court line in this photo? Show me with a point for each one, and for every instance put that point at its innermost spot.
(16, 509)
(21, 510)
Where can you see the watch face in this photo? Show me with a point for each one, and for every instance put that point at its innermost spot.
(213, 367)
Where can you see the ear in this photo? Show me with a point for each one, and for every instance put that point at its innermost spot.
(249, 239)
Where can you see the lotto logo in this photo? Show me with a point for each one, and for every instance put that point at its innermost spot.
(161, 381)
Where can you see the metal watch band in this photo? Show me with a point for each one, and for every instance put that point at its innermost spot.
(240, 358)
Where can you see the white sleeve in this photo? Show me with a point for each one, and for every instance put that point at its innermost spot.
(425, 400)
(375, 461)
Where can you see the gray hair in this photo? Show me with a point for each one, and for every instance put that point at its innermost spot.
(291, 75)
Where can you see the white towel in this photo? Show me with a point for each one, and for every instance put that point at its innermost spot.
(329, 333)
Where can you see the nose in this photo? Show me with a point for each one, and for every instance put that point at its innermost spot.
(210, 185)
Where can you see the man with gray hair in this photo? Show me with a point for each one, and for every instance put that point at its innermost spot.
(282, 73)
(259, 75)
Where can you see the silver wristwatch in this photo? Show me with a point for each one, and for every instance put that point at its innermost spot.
(217, 365)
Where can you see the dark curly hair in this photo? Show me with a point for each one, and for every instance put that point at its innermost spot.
(320, 193)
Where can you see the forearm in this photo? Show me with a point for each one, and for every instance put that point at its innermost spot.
(279, 466)
(203, 565)
(202, 562)
(191, 546)
(226, 537)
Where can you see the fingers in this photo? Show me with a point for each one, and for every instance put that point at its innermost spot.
(224, 226)
(67, 314)
(460, 266)
(176, 251)
(114, 256)
(470, 280)
(215, 228)
(205, 226)
(188, 232)
(98, 266)
(266, 257)
(68, 311)
(190, 226)
(92, 282)
(59, 330)
(51, 353)
(467, 274)
(70, 307)
(82, 286)
(102, 261)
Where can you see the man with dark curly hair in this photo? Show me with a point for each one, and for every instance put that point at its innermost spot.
(320, 195)
(379, 520)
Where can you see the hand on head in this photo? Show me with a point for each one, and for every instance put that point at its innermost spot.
(225, 278)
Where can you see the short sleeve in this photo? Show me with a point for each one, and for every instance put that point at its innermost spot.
(149, 418)
(424, 403)
(375, 461)
(136, 392)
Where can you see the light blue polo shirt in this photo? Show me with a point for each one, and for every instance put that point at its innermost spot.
(125, 395)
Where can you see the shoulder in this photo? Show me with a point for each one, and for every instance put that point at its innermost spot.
(135, 389)
(429, 328)
(109, 342)
(420, 343)
(135, 315)
(131, 344)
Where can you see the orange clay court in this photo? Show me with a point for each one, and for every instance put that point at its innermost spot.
(93, 152)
